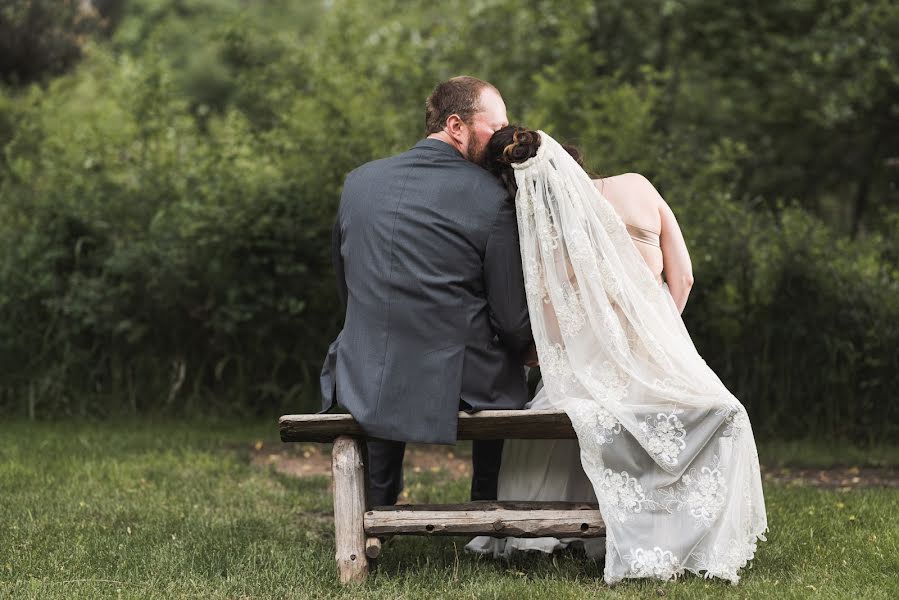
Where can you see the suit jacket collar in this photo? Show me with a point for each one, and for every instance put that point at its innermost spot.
(439, 145)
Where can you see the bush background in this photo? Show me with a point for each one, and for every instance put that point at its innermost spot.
(170, 171)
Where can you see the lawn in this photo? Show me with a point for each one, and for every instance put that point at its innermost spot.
(164, 510)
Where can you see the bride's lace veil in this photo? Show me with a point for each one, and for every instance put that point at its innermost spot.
(605, 330)
(615, 356)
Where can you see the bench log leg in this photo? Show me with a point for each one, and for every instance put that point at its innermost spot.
(349, 507)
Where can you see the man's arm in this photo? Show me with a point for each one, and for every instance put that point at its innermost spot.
(504, 283)
(337, 260)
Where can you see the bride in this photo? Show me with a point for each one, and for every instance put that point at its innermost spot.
(665, 449)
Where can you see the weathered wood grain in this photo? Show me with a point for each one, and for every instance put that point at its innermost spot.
(484, 425)
(493, 505)
(582, 523)
(349, 506)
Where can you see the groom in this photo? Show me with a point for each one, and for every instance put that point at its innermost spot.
(425, 247)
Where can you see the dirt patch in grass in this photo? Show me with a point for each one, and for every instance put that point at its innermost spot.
(843, 478)
(305, 460)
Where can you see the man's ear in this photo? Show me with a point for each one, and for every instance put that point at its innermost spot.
(455, 127)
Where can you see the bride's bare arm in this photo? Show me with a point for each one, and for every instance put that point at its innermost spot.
(677, 268)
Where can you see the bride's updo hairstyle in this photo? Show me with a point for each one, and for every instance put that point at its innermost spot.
(511, 144)
(515, 144)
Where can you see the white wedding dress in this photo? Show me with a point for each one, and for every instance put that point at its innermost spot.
(665, 449)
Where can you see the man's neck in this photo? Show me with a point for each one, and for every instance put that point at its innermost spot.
(445, 137)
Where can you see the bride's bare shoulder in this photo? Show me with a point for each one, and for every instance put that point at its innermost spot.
(629, 183)
(629, 179)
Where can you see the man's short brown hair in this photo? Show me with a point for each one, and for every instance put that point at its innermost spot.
(456, 96)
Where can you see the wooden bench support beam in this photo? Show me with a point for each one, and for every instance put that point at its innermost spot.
(349, 506)
(583, 523)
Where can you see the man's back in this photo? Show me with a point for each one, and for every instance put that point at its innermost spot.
(428, 264)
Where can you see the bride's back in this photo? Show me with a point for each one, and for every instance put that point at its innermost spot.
(629, 194)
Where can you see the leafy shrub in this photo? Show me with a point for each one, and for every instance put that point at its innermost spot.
(165, 208)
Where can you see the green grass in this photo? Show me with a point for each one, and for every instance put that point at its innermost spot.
(159, 510)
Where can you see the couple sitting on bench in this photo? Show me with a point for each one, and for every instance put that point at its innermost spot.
(487, 247)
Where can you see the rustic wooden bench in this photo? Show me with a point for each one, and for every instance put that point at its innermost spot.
(358, 527)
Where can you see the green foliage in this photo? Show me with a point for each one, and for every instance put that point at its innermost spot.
(154, 253)
(42, 38)
(802, 327)
(165, 207)
(811, 86)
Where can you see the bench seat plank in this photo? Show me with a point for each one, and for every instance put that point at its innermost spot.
(483, 425)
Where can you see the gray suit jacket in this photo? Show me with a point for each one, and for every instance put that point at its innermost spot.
(425, 247)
